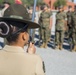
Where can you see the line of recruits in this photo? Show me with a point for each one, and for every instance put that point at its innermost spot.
(65, 22)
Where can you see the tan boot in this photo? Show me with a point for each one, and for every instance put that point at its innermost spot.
(43, 45)
(74, 49)
(48, 40)
(57, 47)
(60, 47)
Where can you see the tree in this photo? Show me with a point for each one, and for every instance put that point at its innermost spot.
(40, 2)
(59, 3)
(31, 2)
(10, 1)
(27, 2)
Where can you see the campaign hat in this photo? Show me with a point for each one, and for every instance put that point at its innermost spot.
(17, 15)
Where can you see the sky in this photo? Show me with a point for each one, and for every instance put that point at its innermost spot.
(75, 1)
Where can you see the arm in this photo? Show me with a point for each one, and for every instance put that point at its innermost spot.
(50, 26)
(65, 21)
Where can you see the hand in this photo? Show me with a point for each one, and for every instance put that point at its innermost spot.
(6, 5)
(50, 27)
(31, 49)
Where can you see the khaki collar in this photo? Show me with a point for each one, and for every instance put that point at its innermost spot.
(14, 49)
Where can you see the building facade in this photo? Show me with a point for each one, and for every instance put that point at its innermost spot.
(51, 3)
(71, 0)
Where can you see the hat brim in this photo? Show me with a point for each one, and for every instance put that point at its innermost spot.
(31, 25)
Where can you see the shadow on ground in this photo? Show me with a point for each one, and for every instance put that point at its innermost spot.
(51, 43)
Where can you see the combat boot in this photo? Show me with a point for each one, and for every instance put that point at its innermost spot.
(43, 45)
(74, 49)
(57, 47)
(48, 40)
(60, 47)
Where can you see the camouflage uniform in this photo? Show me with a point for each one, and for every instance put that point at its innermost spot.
(74, 29)
(69, 23)
(45, 22)
(69, 28)
(60, 24)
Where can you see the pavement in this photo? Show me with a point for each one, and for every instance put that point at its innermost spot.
(57, 62)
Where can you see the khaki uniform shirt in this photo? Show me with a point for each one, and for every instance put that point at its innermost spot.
(14, 61)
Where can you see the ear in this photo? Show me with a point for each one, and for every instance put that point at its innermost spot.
(24, 36)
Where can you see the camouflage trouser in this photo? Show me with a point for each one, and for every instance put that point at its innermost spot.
(74, 38)
(49, 33)
(69, 32)
(59, 37)
(40, 33)
(45, 34)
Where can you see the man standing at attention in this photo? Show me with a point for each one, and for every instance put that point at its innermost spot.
(74, 28)
(60, 27)
(45, 19)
